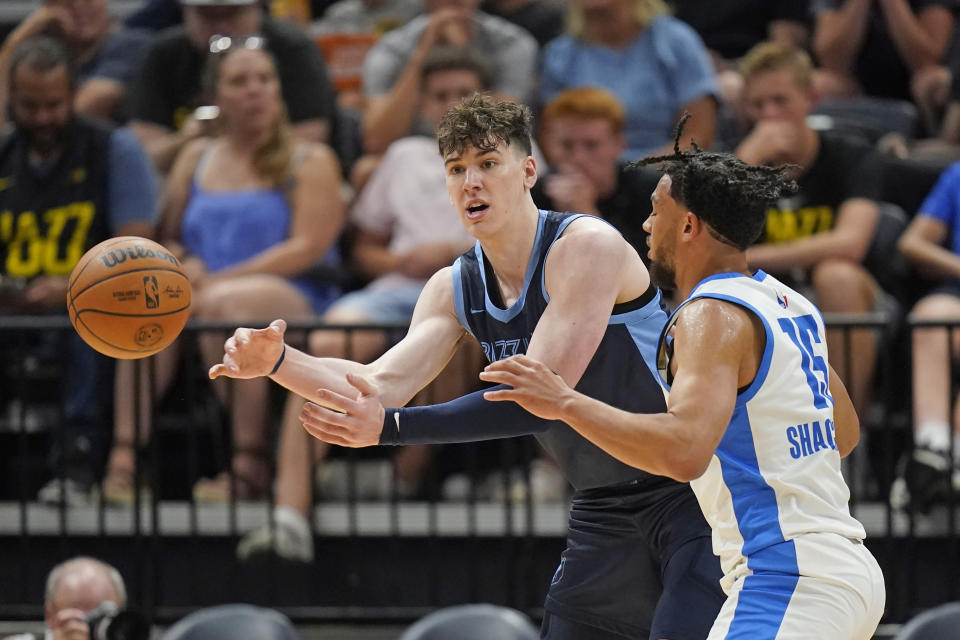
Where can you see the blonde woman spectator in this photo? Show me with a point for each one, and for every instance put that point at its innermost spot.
(656, 65)
(250, 211)
(406, 230)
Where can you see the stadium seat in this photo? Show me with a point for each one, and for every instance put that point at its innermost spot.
(939, 623)
(233, 622)
(473, 622)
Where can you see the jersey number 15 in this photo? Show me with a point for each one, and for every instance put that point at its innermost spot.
(803, 332)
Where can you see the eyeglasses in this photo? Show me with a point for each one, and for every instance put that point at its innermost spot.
(222, 44)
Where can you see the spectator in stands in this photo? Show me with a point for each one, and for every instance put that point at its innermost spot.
(250, 212)
(932, 243)
(67, 184)
(729, 29)
(877, 47)
(940, 94)
(104, 53)
(346, 33)
(406, 230)
(824, 232)
(581, 132)
(167, 89)
(393, 69)
(367, 16)
(656, 65)
(75, 588)
(543, 19)
(156, 15)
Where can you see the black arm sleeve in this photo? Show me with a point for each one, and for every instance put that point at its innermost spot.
(469, 418)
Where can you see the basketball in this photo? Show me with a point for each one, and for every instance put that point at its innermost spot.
(128, 297)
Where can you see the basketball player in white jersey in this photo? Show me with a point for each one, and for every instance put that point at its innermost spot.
(756, 420)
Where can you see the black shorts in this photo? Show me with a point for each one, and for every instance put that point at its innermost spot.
(638, 563)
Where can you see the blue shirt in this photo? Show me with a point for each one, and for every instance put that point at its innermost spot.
(943, 203)
(664, 68)
(132, 186)
(117, 58)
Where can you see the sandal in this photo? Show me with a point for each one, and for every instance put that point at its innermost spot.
(251, 480)
(118, 483)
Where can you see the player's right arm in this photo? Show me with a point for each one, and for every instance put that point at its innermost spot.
(397, 375)
(845, 419)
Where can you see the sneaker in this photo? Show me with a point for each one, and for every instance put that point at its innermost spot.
(547, 483)
(922, 480)
(373, 480)
(67, 491)
(289, 538)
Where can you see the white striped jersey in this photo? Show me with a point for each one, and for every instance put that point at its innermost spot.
(775, 475)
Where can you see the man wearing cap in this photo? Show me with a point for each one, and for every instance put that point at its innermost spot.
(167, 89)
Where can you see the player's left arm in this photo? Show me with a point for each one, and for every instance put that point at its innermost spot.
(714, 352)
(845, 420)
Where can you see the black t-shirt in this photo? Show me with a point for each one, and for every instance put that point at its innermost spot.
(543, 20)
(58, 212)
(168, 85)
(732, 27)
(879, 67)
(626, 208)
(843, 169)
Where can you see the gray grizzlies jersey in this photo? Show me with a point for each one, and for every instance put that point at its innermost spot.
(622, 372)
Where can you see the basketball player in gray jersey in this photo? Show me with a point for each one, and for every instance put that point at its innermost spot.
(569, 291)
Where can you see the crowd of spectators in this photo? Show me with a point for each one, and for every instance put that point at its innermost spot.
(292, 166)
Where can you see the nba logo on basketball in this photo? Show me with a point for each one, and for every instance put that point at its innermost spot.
(151, 291)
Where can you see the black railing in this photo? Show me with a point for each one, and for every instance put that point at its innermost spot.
(377, 560)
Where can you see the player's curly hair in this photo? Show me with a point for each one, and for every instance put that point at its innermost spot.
(732, 197)
(482, 122)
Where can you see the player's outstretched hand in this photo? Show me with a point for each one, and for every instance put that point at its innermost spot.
(535, 387)
(251, 353)
(348, 422)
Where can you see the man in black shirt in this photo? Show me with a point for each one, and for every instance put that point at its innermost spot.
(878, 46)
(580, 134)
(730, 28)
(168, 87)
(66, 184)
(824, 232)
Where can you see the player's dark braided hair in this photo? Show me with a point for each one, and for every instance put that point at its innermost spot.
(732, 197)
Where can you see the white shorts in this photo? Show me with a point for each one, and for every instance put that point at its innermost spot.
(844, 600)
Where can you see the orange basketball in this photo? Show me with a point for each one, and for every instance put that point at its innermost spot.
(128, 297)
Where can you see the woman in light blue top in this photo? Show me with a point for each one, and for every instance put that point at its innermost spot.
(655, 64)
(250, 212)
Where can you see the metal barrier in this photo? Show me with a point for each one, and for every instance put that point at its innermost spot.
(386, 559)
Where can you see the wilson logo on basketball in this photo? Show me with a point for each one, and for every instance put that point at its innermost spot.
(119, 256)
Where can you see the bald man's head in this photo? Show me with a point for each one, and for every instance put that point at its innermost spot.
(83, 583)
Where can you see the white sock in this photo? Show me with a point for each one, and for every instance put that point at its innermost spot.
(292, 519)
(933, 435)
